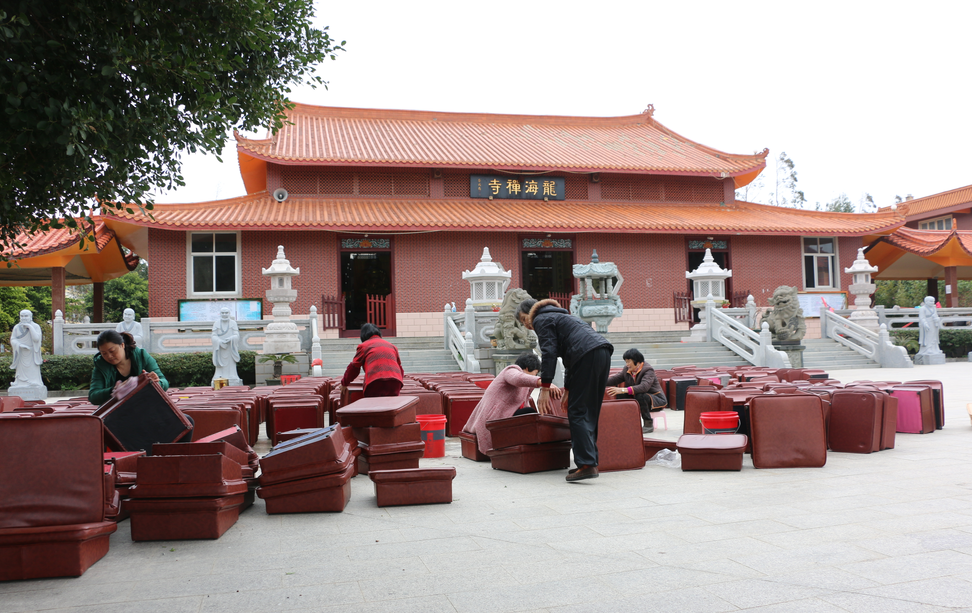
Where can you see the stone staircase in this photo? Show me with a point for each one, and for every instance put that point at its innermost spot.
(418, 354)
(662, 350)
(828, 355)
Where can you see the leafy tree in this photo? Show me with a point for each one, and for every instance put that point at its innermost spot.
(40, 301)
(783, 190)
(12, 301)
(843, 204)
(126, 292)
(100, 98)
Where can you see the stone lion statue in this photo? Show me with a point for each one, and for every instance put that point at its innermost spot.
(785, 319)
(509, 333)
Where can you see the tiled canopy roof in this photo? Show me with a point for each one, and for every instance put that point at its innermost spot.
(260, 211)
(52, 241)
(637, 143)
(929, 242)
(932, 206)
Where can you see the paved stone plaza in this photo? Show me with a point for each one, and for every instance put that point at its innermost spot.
(887, 532)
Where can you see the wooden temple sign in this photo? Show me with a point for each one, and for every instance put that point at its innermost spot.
(516, 188)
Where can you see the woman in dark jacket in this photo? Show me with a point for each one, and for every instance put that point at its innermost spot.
(587, 363)
(119, 359)
(641, 384)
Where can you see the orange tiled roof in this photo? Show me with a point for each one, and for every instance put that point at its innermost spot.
(52, 241)
(932, 206)
(637, 143)
(261, 212)
(928, 242)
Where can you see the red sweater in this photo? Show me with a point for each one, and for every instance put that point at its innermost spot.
(379, 359)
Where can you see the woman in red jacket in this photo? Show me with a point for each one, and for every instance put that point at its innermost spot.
(381, 363)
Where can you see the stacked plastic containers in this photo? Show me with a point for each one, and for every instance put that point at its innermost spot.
(386, 430)
(308, 474)
(530, 443)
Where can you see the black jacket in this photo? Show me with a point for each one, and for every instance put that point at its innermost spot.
(562, 335)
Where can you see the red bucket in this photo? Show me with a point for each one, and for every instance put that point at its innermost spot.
(719, 422)
(433, 433)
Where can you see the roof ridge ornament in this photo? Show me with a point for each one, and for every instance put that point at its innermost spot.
(649, 110)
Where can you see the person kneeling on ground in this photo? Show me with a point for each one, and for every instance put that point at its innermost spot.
(504, 397)
(382, 365)
(639, 381)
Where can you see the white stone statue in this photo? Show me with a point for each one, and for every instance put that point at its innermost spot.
(128, 324)
(25, 341)
(928, 325)
(226, 342)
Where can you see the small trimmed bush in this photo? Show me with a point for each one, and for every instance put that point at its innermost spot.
(73, 372)
(954, 343)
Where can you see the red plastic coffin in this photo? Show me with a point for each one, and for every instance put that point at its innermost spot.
(415, 486)
(712, 451)
(406, 433)
(219, 447)
(52, 551)
(528, 430)
(324, 494)
(145, 416)
(382, 412)
(319, 453)
(532, 458)
(470, 447)
(170, 519)
(187, 477)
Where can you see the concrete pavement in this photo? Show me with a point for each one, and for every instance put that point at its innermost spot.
(887, 532)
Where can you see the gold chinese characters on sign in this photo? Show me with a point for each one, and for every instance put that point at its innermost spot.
(516, 188)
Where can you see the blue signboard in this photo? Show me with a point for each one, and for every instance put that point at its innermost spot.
(208, 310)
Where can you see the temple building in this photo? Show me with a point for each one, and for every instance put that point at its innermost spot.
(382, 210)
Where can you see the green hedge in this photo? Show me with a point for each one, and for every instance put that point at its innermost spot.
(73, 372)
(954, 343)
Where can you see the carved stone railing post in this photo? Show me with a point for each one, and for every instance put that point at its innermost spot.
(58, 331)
(446, 316)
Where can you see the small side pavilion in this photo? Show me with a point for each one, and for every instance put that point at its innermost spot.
(63, 257)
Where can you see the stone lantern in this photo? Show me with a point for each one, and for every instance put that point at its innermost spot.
(487, 283)
(708, 281)
(281, 333)
(598, 301)
(862, 288)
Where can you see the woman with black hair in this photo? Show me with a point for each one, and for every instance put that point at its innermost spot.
(381, 363)
(119, 359)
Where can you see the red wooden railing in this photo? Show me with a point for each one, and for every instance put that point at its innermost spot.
(683, 307)
(333, 312)
(738, 299)
(378, 309)
(563, 298)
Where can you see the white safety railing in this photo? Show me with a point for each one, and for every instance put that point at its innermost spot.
(733, 333)
(876, 346)
(169, 336)
(460, 344)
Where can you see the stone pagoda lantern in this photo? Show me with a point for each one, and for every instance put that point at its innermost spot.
(281, 333)
(861, 287)
(708, 281)
(487, 283)
(598, 301)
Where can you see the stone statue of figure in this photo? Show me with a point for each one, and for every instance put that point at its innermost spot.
(509, 333)
(226, 342)
(928, 324)
(128, 324)
(25, 341)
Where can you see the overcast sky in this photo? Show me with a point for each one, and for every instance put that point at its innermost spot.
(862, 96)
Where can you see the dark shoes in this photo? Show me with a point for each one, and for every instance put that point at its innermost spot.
(648, 429)
(582, 472)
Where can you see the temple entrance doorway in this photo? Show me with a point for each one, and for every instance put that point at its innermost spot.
(720, 254)
(366, 285)
(547, 268)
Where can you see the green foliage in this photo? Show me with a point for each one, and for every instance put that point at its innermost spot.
(100, 98)
(954, 343)
(73, 372)
(126, 292)
(277, 357)
(12, 301)
(906, 294)
(40, 302)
